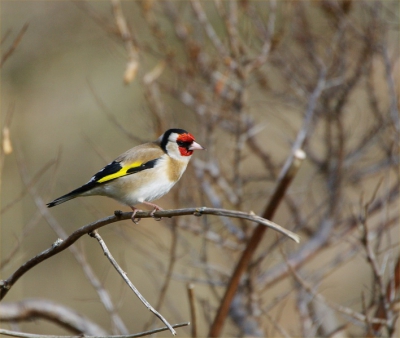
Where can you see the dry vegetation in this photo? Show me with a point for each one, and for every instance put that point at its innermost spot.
(257, 83)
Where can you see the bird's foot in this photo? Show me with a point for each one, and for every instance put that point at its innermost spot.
(135, 220)
(156, 208)
(152, 214)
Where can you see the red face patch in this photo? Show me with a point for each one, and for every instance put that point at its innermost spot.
(184, 141)
(186, 138)
(185, 152)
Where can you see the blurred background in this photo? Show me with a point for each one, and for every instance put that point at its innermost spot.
(81, 82)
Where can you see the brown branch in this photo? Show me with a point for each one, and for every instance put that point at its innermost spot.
(288, 173)
(14, 45)
(391, 288)
(286, 176)
(136, 335)
(62, 244)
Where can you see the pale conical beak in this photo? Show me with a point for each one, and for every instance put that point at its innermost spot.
(196, 146)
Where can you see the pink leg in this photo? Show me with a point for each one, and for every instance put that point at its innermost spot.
(156, 208)
(135, 210)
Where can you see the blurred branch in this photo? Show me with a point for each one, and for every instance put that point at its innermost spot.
(208, 28)
(393, 91)
(101, 20)
(126, 279)
(14, 45)
(126, 35)
(136, 335)
(28, 185)
(171, 264)
(6, 145)
(103, 294)
(386, 294)
(262, 58)
(33, 221)
(112, 117)
(391, 289)
(323, 239)
(192, 306)
(287, 174)
(29, 309)
(342, 309)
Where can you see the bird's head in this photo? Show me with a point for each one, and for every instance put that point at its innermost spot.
(178, 143)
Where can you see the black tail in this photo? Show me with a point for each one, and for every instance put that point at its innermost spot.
(71, 195)
(61, 199)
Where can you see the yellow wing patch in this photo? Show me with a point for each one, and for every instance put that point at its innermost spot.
(123, 171)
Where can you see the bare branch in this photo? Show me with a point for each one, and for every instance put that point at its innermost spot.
(209, 29)
(126, 35)
(192, 306)
(126, 279)
(285, 178)
(76, 252)
(14, 45)
(391, 288)
(171, 264)
(342, 309)
(29, 309)
(62, 244)
(136, 335)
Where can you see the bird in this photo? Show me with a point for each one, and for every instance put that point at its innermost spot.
(142, 174)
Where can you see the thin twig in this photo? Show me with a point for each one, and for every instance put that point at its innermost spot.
(391, 288)
(136, 335)
(28, 227)
(123, 274)
(62, 244)
(208, 28)
(323, 239)
(171, 265)
(28, 185)
(14, 45)
(342, 309)
(76, 252)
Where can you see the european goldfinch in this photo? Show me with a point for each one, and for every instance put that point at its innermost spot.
(143, 173)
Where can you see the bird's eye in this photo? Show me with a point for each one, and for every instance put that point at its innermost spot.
(182, 144)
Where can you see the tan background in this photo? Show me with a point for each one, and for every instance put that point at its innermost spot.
(62, 59)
